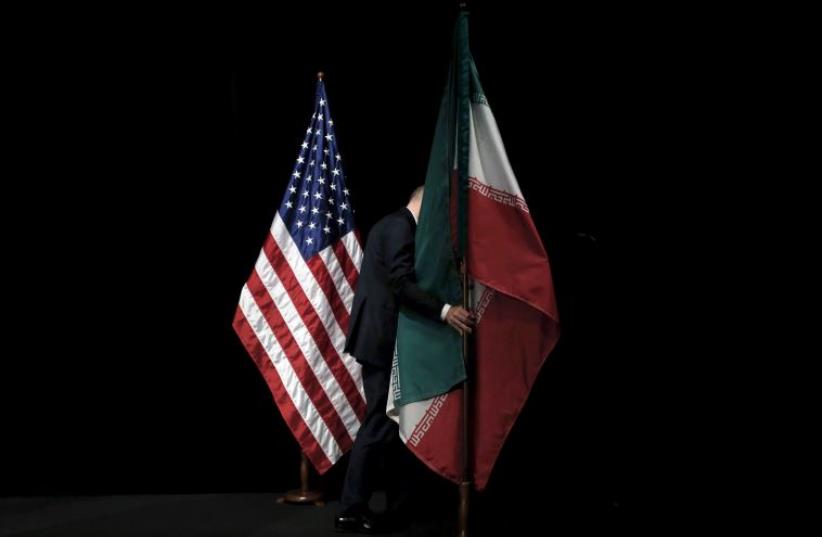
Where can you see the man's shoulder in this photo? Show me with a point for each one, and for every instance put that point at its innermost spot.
(392, 220)
(393, 227)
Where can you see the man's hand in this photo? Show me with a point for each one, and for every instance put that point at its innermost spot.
(460, 319)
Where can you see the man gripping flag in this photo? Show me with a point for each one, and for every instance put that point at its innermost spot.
(473, 209)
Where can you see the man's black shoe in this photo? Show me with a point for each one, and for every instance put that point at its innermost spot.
(356, 523)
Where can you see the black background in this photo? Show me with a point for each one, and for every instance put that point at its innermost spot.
(154, 152)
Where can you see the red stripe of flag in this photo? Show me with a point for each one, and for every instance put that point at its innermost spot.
(347, 264)
(329, 289)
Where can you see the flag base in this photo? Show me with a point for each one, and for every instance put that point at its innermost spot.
(303, 497)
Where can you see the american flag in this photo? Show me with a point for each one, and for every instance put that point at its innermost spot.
(294, 309)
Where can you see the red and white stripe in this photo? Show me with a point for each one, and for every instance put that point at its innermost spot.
(292, 318)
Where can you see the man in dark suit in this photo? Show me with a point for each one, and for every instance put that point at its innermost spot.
(386, 282)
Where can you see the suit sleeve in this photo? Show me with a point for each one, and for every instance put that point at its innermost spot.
(399, 254)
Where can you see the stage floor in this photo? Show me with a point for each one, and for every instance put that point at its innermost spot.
(235, 515)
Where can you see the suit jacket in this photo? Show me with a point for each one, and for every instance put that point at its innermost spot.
(386, 283)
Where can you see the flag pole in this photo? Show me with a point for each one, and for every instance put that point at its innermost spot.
(303, 495)
(465, 485)
(462, 90)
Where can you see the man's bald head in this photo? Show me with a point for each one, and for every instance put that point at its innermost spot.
(416, 195)
(415, 201)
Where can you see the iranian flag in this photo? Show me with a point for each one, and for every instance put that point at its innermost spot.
(473, 209)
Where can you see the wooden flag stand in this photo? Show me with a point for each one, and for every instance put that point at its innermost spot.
(303, 496)
(463, 112)
(465, 485)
